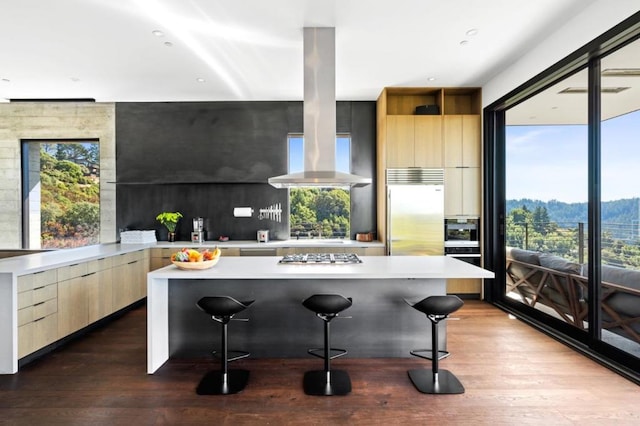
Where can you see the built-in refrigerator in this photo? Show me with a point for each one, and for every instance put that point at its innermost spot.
(415, 211)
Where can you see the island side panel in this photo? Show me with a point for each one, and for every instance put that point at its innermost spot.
(157, 323)
(8, 324)
(381, 323)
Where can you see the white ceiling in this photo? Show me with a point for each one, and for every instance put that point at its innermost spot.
(252, 49)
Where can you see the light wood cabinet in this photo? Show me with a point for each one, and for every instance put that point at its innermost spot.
(58, 302)
(129, 279)
(37, 311)
(73, 303)
(414, 141)
(462, 191)
(462, 165)
(428, 146)
(464, 286)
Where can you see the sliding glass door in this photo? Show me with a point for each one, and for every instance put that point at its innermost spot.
(620, 198)
(546, 191)
(562, 199)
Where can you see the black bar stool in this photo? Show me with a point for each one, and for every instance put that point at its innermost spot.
(436, 308)
(327, 381)
(223, 382)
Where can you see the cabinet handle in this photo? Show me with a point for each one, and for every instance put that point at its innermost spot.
(39, 288)
(86, 275)
(39, 272)
(74, 264)
(39, 319)
(131, 263)
(38, 304)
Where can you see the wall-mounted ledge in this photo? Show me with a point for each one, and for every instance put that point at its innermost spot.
(188, 182)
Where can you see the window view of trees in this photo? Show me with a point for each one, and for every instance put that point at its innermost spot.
(70, 194)
(561, 229)
(319, 212)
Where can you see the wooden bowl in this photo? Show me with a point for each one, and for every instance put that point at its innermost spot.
(205, 264)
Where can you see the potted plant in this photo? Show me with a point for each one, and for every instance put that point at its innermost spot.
(169, 220)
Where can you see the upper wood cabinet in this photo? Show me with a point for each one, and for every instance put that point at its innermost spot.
(414, 141)
(448, 137)
(462, 141)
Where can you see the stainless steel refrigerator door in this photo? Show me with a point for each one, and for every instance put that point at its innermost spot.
(415, 219)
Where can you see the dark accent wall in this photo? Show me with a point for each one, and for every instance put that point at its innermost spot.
(205, 158)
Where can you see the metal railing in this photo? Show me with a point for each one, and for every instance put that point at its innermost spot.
(620, 242)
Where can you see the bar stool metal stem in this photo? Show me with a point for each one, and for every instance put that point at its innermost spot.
(327, 382)
(225, 381)
(436, 308)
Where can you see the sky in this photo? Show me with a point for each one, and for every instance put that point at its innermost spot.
(296, 154)
(550, 162)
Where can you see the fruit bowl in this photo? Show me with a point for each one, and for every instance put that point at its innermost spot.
(205, 264)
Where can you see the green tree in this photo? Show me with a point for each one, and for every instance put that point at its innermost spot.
(319, 211)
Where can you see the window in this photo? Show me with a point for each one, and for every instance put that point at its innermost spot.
(319, 212)
(61, 193)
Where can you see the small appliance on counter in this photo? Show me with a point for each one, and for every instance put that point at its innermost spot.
(197, 235)
(263, 235)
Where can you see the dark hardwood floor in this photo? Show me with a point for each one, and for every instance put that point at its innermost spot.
(512, 373)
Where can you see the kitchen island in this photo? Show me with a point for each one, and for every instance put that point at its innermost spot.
(382, 324)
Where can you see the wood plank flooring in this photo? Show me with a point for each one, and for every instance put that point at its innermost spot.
(512, 373)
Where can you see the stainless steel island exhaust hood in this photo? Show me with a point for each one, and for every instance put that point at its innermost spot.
(319, 118)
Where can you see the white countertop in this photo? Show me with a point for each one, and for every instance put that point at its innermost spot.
(372, 267)
(271, 244)
(37, 262)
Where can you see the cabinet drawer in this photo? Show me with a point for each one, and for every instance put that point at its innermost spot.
(37, 295)
(162, 252)
(37, 334)
(38, 279)
(123, 259)
(72, 271)
(37, 311)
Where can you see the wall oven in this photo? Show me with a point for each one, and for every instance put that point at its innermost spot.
(462, 241)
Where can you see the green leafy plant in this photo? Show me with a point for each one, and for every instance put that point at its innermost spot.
(169, 219)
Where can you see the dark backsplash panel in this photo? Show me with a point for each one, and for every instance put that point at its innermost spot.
(138, 206)
(205, 158)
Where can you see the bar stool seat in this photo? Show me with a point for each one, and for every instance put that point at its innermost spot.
(327, 381)
(436, 308)
(223, 382)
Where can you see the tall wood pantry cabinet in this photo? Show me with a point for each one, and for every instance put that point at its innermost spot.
(449, 138)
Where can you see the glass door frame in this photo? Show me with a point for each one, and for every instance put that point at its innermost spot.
(588, 342)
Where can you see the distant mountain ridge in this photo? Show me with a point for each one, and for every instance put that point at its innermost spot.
(624, 211)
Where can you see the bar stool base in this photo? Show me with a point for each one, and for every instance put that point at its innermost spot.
(315, 383)
(424, 381)
(212, 383)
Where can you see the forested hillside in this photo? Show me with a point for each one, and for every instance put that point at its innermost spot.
(617, 212)
(319, 212)
(70, 195)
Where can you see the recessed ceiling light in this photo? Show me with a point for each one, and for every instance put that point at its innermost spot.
(168, 44)
(464, 42)
(472, 32)
(200, 80)
(157, 33)
(431, 78)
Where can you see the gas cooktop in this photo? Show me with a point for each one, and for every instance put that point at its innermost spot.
(321, 259)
